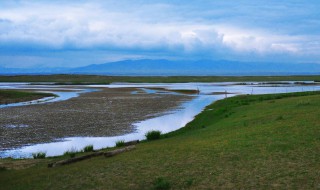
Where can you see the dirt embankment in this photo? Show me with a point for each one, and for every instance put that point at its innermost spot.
(109, 112)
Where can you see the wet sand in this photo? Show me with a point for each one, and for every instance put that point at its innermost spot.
(109, 112)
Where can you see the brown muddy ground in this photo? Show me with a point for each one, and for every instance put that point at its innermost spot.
(109, 112)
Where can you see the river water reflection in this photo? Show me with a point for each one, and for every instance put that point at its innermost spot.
(167, 122)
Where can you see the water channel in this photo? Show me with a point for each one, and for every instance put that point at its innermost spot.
(170, 121)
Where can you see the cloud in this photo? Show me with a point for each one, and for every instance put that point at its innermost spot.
(191, 30)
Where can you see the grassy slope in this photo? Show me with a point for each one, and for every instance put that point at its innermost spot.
(13, 96)
(245, 142)
(76, 79)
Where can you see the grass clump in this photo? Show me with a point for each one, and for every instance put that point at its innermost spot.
(120, 143)
(72, 152)
(88, 148)
(279, 118)
(153, 135)
(303, 103)
(2, 168)
(161, 184)
(188, 182)
(39, 155)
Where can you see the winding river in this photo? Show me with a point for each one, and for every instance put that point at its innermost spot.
(170, 121)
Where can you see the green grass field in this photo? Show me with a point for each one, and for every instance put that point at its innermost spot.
(243, 142)
(13, 96)
(100, 79)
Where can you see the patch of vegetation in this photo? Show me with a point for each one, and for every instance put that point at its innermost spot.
(120, 143)
(2, 168)
(188, 182)
(13, 96)
(161, 184)
(303, 103)
(39, 155)
(102, 79)
(183, 91)
(71, 153)
(153, 135)
(279, 118)
(88, 148)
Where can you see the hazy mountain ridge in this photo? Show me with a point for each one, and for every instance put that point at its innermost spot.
(201, 67)
(166, 67)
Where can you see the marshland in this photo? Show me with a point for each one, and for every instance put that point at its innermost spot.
(225, 134)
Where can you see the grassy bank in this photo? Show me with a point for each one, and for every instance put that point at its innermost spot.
(13, 96)
(98, 79)
(244, 142)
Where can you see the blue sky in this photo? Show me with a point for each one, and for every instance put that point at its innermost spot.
(77, 33)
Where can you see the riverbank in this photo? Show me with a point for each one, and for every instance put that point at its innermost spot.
(102, 79)
(107, 112)
(243, 142)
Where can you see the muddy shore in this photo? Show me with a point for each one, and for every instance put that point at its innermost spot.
(109, 112)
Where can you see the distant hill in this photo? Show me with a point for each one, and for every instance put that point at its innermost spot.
(11, 71)
(166, 67)
(202, 67)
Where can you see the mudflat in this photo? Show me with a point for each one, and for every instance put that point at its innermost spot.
(108, 112)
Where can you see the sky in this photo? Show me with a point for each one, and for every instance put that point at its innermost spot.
(61, 33)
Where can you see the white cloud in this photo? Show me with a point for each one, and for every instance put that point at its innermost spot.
(142, 27)
(262, 42)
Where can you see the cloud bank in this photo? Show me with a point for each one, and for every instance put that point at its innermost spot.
(77, 33)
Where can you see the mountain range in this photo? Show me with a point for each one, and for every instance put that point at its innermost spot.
(168, 68)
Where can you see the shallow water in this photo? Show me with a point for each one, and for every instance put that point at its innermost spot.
(165, 123)
(171, 121)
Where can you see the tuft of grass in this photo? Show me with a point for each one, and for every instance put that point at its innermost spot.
(88, 148)
(153, 135)
(72, 152)
(279, 118)
(303, 103)
(39, 155)
(161, 184)
(120, 143)
(188, 182)
(2, 168)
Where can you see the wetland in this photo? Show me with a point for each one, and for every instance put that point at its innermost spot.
(100, 115)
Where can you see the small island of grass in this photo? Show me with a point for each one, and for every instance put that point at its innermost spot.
(14, 96)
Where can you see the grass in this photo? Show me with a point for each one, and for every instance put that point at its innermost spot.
(249, 149)
(100, 79)
(2, 168)
(186, 91)
(153, 135)
(39, 155)
(88, 148)
(182, 91)
(161, 184)
(120, 143)
(71, 153)
(13, 96)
